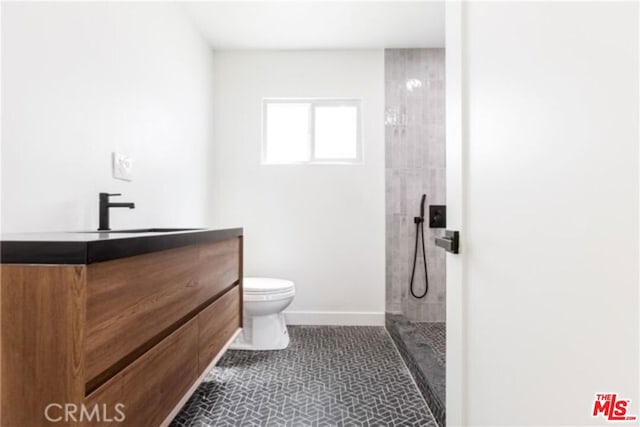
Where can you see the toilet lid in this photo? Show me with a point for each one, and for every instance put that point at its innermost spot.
(264, 285)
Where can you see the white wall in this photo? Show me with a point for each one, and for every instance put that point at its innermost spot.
(550, 239)
(81, 80)
(321, 226)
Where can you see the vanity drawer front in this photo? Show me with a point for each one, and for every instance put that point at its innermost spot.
(218, 266)
(216, 324)
(133, 303)
(151, 386)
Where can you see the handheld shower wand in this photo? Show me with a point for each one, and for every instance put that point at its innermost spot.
(419, 222)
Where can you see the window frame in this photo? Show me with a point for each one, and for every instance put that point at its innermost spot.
(313, 103)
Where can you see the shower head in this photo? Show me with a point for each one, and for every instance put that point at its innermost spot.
(424, 198)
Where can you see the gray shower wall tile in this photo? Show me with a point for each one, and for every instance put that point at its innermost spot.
(403, 141)
(427, 62)
(393, 189)
(431, 312)
(415, 105)
(388, 152)
(394, 308)
(419, 311)
(412, 188)
(415, 165)
(436, 185)
(436, 154)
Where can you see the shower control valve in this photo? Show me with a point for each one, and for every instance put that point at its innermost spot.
(437, 216)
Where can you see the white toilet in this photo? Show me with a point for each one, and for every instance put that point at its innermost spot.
(264, 327)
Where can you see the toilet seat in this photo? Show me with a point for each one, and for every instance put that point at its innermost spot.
(266, 289)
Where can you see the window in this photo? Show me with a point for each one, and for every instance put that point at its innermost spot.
(311, 131)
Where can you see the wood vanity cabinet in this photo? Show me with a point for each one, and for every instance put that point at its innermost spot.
(125, 341)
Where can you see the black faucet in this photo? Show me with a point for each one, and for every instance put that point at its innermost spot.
(104, 209)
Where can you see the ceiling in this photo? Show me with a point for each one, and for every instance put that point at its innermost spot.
(303, 25)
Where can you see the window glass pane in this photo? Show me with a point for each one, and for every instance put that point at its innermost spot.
(336, 132)
(287, 138)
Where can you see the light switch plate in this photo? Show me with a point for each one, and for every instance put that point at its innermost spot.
(122, 167)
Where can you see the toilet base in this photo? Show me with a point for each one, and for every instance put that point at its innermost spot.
(262, 333)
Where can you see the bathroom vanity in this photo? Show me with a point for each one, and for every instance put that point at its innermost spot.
(121, 326)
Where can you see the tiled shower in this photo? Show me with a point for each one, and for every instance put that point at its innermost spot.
(415, 165)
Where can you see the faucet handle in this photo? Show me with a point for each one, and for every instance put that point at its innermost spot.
(110, 194)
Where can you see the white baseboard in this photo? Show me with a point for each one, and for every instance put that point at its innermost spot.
(335, 318)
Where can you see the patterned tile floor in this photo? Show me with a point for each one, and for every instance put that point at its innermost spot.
(328, 376)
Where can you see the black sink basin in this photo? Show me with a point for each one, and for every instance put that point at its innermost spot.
(146, 230)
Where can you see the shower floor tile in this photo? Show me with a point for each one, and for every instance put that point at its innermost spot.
(422, 346)
(328, 376)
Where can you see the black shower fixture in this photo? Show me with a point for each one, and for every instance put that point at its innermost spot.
(419, 222)
(437, 216)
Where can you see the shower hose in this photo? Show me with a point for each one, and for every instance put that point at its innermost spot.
(419, 221)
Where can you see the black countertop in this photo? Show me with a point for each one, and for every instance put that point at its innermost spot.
(90, 247)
